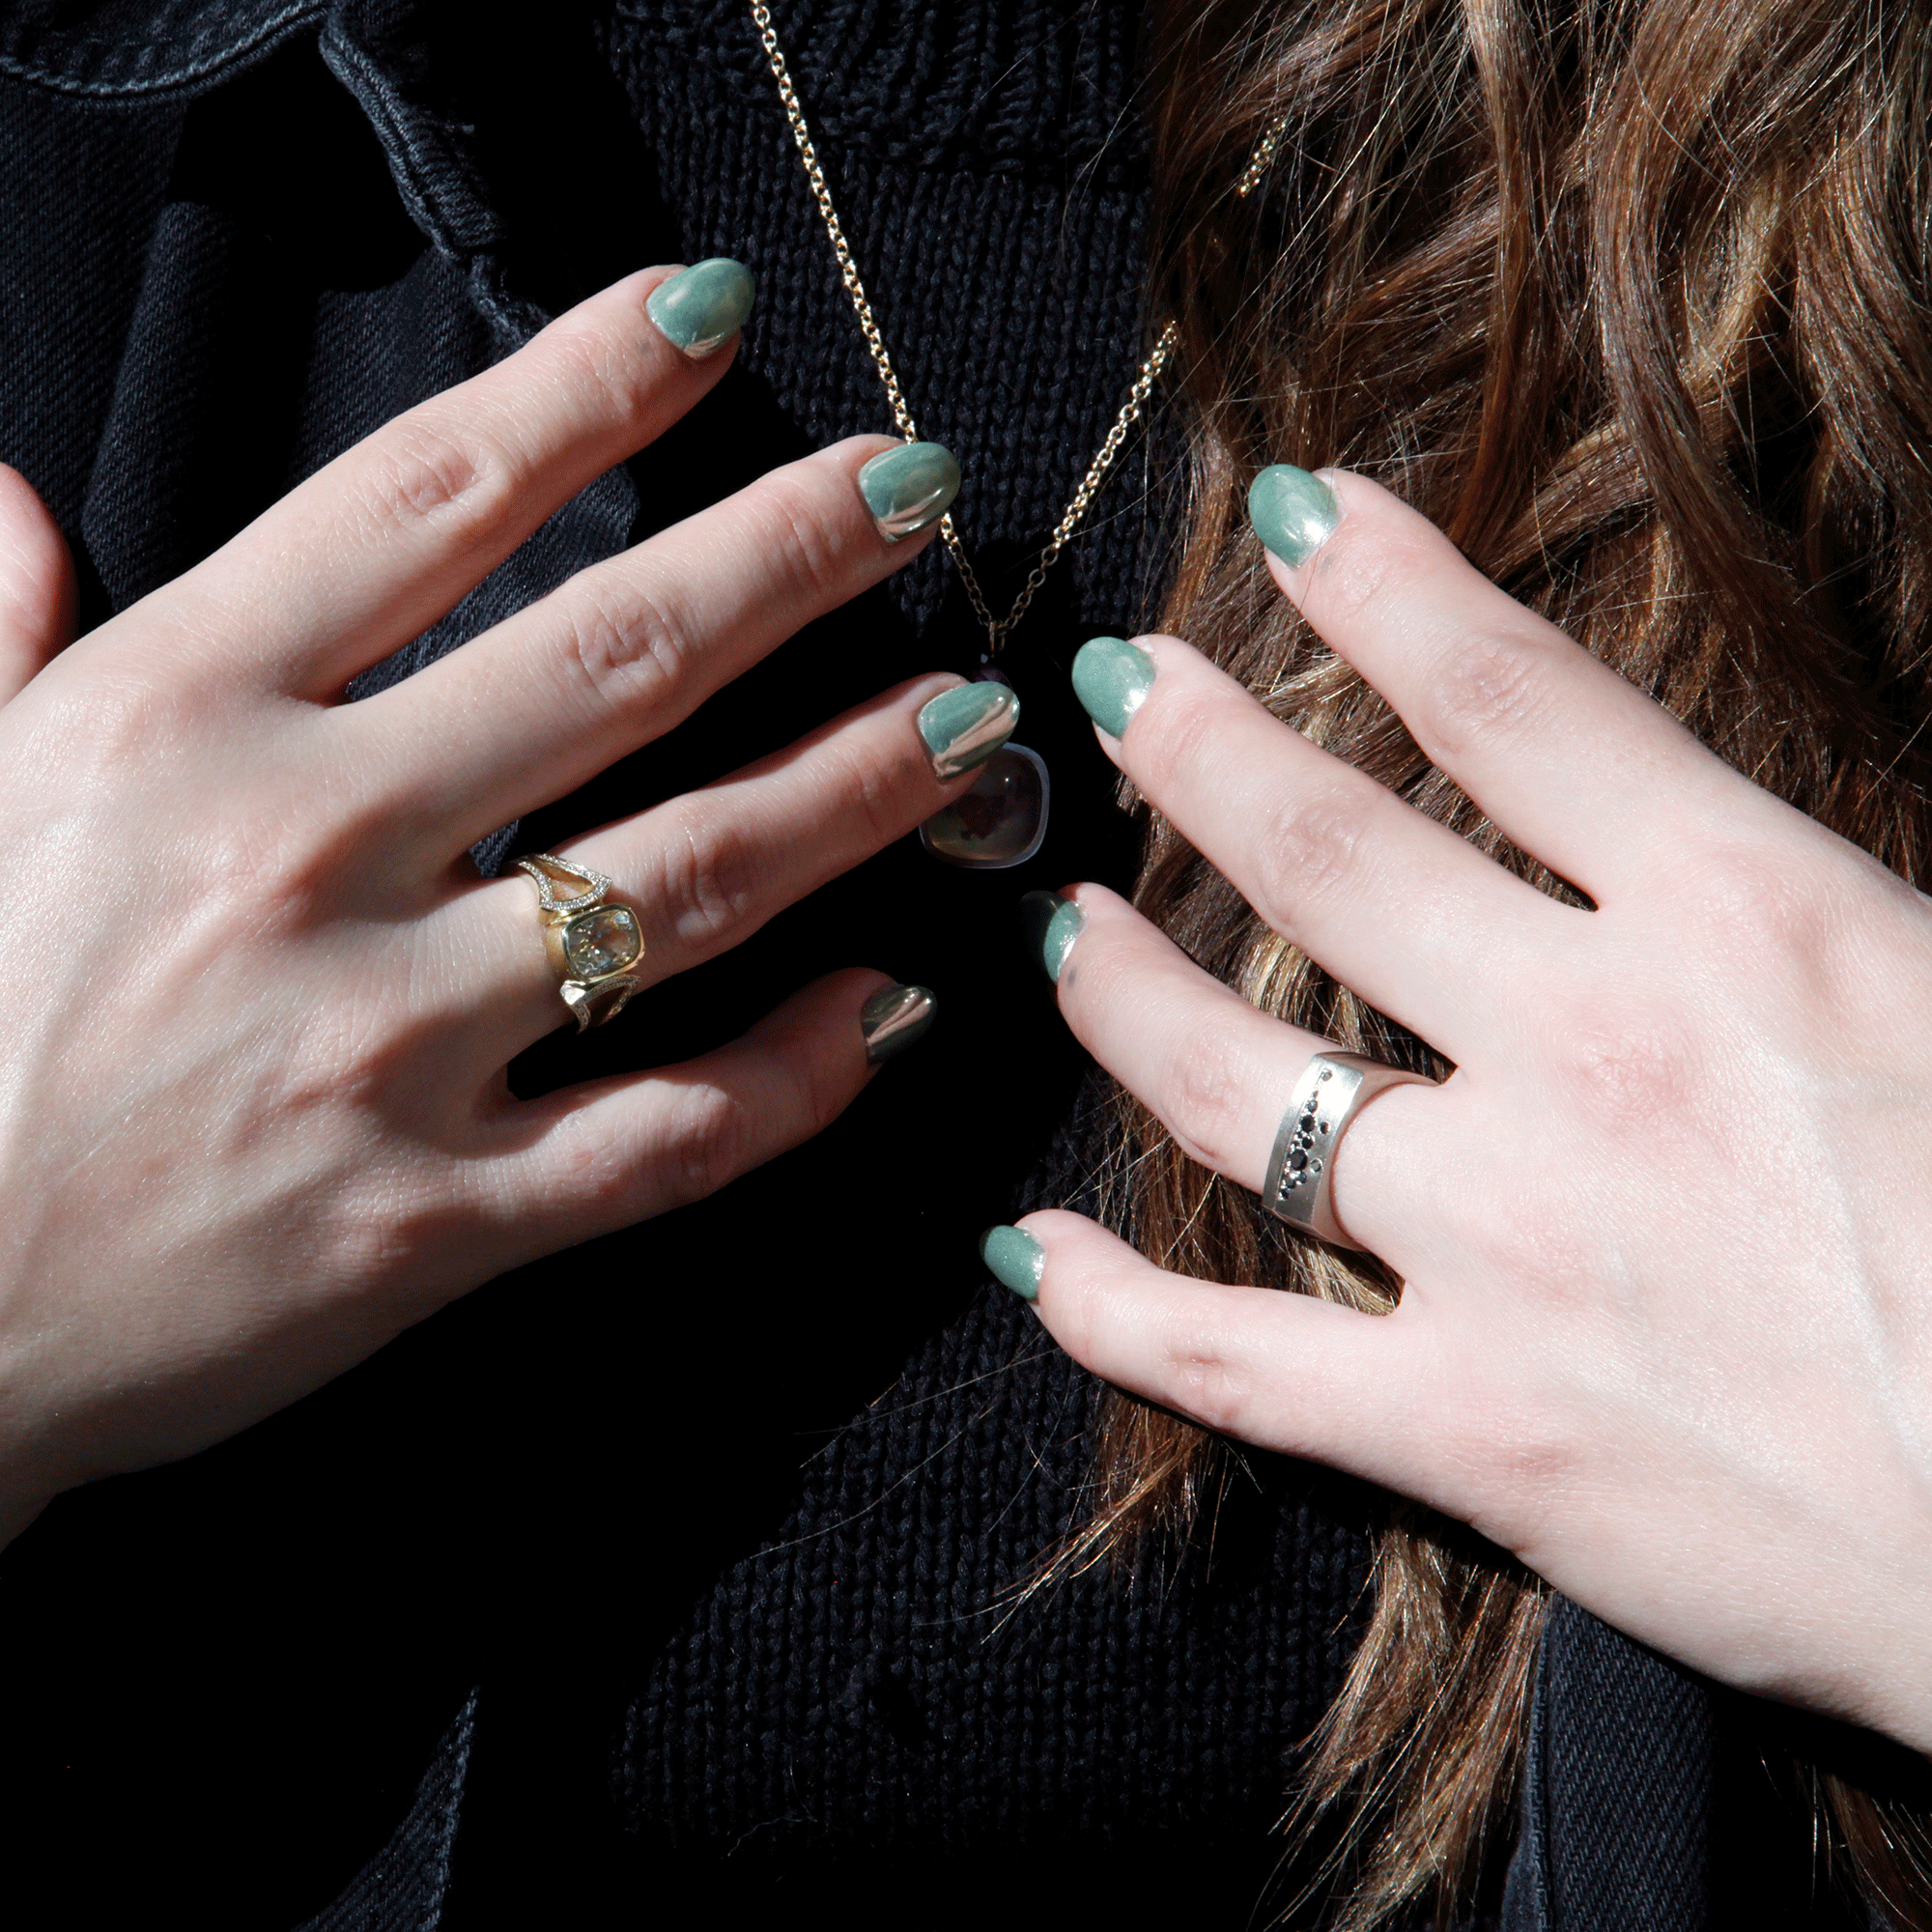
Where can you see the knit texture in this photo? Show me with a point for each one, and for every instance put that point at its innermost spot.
(991, 174)
(874, 1683)
(878, 1677)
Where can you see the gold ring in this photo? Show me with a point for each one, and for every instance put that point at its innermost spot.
(591, 941)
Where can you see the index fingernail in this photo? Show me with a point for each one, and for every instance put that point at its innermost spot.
(1016, 1260)
(701, 308)
(1293, 513)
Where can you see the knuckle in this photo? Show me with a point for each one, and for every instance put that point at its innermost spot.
(1201, 1381)
(603, 376)
(714, 873)
(711, 1143)
(1484, 691)
(875, 796)
(630, 650)
(1755, 901)
(1187, 742)
(806, 542)
(274, 857)
(1203, 1089)
(601, 1176)
(818, 1094)
(1358, 574)
(1518, 1464)
(261, 868)
(269, 872)
(1633, 1076)
(1310, 848)
(429, 472)
(117, 724)
(393, 1240)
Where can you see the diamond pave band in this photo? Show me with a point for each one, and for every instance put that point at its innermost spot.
(1333, 1088)
(591, 941)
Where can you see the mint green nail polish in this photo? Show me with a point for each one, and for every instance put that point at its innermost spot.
(1111, 678)
(1015, 1258)
(909, 489)
(704, 306)
(1294, 513)
(892, 1018)
(1052, 924)
(964, 727)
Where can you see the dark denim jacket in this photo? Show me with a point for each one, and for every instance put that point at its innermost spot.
(220, 268)
(132, 366)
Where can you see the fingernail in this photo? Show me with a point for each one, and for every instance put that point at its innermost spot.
(892, 1018)
(1015, 1258)
(1111, 678)
(1053, 922)
(908, 489)
(964, 727)
(1294, 513)
(704, 306)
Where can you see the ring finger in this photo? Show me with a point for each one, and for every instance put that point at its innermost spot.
(1215, 1071)
(706, 870)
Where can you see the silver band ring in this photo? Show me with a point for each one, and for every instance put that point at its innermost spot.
(1333, 1088)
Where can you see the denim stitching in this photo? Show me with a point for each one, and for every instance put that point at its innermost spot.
(198, 64)
(457, 222)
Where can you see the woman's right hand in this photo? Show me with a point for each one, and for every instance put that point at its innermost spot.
(253, 1112)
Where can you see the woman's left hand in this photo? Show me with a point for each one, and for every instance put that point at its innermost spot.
(1665, 1234)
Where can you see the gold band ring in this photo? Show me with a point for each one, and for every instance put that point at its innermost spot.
(591, 941)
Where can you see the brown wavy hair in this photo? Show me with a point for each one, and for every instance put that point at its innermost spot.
(1630, 296)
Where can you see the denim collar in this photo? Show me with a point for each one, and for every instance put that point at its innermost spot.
(130, 49)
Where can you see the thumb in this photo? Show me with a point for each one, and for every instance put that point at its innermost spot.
(37, 588)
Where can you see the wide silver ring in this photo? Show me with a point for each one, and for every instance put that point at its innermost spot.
(1333, 1088)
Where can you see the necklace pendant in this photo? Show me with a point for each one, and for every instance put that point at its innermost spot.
(1002, 820)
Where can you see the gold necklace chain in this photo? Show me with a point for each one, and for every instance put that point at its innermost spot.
(997, 629)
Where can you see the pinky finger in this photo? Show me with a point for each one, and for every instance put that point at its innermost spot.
(37, 588)
(1284, 1372)
(616, 1151)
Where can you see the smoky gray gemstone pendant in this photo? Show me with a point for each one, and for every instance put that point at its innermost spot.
(1000, 821)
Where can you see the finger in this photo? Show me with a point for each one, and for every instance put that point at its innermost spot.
(1572, 761)
(706, 870)
(1216, 1072)
(600, 1156)
(1396, 907)
(379, 544)
(37, 587)
(1284, 1371)
(621, 653)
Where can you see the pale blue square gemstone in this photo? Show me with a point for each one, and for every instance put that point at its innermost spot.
(604, 940)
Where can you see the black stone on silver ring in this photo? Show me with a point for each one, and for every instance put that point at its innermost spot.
(1333, 1088)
